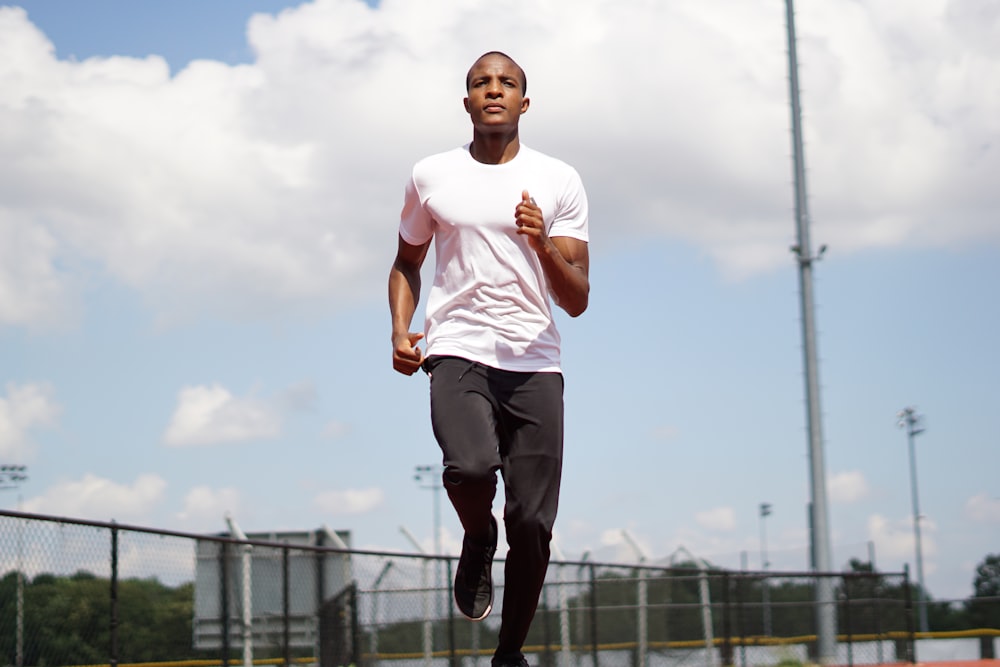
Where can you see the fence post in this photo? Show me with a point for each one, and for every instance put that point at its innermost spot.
(845, 582)
(546, 627)
(877, 590)
(286, 607)
(908, 602)
(355, 624)
(114, 594)
(642, 602)
(224, 594)
(452, 649)
(727, 647)
(320, 562)
(593, 615)
(741, 619)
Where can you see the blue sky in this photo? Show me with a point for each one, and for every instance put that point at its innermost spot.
(198, 208)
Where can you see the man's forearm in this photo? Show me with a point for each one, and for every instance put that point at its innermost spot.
(404, 293)
(568, 280)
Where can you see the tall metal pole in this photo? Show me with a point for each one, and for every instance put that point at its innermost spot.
(910, 420)
(430, 478)
(11, 477)
(642, 596)
(826, 611)
(428, 628)
(765, 511)
(245, 555)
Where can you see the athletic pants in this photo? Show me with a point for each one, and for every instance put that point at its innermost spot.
(485, 420)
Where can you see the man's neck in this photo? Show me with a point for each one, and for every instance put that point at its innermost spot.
(494, 148)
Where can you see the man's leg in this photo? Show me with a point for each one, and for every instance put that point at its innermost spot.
(531, 426)
(462, 414)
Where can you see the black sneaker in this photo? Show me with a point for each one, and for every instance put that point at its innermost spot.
(519, 662)
(474, 577)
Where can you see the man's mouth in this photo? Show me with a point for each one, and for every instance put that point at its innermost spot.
(493, 107)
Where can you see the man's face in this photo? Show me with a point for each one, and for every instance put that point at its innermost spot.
(495, 100)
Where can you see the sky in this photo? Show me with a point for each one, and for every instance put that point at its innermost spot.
(199, 205)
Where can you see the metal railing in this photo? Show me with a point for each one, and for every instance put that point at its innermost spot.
(75, 592)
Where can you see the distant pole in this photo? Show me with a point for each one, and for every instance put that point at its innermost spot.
(376, 617)
(429, 477)
(765, 511)
(247, 587)
(910, 420)
(428, 630)
(826, 610)
(642, 597)
(11, 477)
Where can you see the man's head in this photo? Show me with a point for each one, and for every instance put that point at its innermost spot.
(495, 87)
(500, 54)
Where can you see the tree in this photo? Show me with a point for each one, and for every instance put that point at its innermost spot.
(67, 620)
(984, 606)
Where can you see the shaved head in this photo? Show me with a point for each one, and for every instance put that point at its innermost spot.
(501, 54)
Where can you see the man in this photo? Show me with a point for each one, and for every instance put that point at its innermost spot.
(510, 228)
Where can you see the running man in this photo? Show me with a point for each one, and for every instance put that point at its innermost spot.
(510, 228)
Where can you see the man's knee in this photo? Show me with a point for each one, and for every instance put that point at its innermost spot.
(471, 469)
(470, 474)
(533, 531)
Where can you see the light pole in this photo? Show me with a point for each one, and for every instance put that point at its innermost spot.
(11, 477)
(826, 609)
(910, 420)
(642, 597)
(376, 618)
(765, 511)
(429, 477)
(428, 628)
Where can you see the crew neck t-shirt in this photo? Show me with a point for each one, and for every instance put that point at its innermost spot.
(489, 301)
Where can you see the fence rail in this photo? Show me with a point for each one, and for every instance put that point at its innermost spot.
(75, 592)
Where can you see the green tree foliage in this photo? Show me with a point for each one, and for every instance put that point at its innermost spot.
(67, 620)
(984, 606)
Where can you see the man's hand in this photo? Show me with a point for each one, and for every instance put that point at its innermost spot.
(530, 222)
(406, 356)
(565, 260)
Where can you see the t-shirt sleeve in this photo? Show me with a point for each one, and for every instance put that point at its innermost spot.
(572, 215)
(416, 226)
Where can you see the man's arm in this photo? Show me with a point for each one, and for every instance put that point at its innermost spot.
(569, 274)
(565, 260)
(404, 293)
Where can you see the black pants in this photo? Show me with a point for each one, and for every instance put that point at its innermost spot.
(487, 420)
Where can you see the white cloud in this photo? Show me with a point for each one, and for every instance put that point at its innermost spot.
(896, 540)
(207, 415)
(624, 549)
(983, 508)
(205, 507)
(101, 499)
(25, 408)
(666, 433)
(336, 429)
(720, 518)
(848, 487)
(272, 186)
(32, 291)
(350, 501)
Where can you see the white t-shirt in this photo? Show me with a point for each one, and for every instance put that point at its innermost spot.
(490, 300)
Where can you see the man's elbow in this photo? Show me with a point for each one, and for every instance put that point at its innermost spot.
(576, 306)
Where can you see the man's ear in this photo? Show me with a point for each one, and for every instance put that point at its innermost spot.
(465, 102)
(525, 103)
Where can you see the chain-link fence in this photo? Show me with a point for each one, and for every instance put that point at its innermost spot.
(85, 593)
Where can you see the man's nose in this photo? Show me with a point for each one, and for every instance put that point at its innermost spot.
(494, 89)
